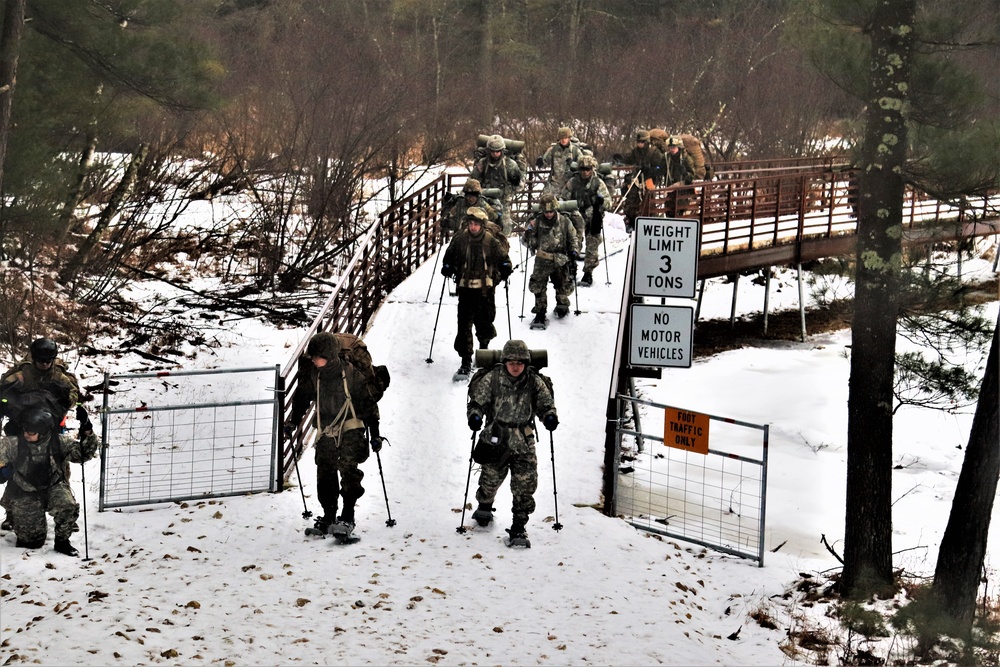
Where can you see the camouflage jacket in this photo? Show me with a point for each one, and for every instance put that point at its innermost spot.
(57, 380)
(41, 465)
(503, 174)
(476, 260)
(586, 193)
(680, 167)
(455, 220)
(552, 240)
(509, 401)
(558, 159)
(650, 161)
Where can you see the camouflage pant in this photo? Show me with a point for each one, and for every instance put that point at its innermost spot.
(27, 511)
(337, 472)
(523, 466)
(546, 270)
(581, 228)
(475, 309)
(592, 258)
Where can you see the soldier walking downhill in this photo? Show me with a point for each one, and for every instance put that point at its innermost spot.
(497, 170)
(590, 193)
(553, 238)
(559, 158)
(504, 402)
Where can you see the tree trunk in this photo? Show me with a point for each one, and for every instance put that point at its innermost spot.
(10, 42)
(76, 190)
(574, 10)
(868, 522)
(486, 63)
(963, 547)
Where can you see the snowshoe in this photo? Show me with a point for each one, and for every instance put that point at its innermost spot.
(562, 311)
(539, 322)
(483, 515)
(517, 537)
(342, 530)
(63, 546)
(464, 371)
(587, 279)
(319, 528)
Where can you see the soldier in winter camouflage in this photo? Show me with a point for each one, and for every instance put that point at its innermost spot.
(651, 170)
(504, 403)
(43, 369)
(345, 406)
(558, 158)
(33, 466)
(496, 170)
(590, 193)
(680, 165)
(553, 238)
(478, 260)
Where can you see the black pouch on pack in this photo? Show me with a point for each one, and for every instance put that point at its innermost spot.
(491, 448)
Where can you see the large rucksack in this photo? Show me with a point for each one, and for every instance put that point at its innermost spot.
(354, 350)
(14, 403)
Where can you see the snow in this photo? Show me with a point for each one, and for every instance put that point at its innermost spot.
(234, 581)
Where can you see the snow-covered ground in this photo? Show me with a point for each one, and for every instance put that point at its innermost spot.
(235, 581)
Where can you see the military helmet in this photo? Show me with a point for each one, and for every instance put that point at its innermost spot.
(37, 420)
(495, 143)
(547, 202)
(473, 186)
(642, 135)
(324, 344)
(565, 133)
(44, 349)
(675, 141)
(515, 350)
(477, 213)
(588, 161)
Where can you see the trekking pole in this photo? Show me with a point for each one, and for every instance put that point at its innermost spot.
(524, 288)
(86, 537)
(607, 272)
(468, 480)
(555, 496)
(506, 288)
(625, 196)
(576, 294)
(430, 358)
(433, 273)
(390, 521)
(295, 459)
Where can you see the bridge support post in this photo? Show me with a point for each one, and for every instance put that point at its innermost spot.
(767, 293)
(732, 310)
(802, 302)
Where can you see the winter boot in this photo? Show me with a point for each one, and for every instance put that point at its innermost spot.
(517, 535)
(344, 525)
(587, 279)
(32, 544)
(63, 546)
(539, 318)
(7, 523)
(483, 515)
(466, 367)
(562, 311)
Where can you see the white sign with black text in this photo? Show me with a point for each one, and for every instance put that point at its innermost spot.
(661, 336)
(666, 258)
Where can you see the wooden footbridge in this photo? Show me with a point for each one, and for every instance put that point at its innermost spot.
(754, 215)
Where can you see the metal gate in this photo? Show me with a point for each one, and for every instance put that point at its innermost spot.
(154, 453)
(716, 499)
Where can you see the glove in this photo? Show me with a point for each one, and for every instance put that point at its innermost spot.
(6, 472)
(574, 255)
(374, 434)
(550, 421)
(289, 430)
(505, 270)
(539, 163)
(475, 421)
(376, 444)
(447, 270)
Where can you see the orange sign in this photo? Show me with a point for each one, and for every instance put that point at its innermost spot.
(685, 430)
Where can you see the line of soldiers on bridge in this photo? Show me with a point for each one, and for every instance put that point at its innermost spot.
(565, 226)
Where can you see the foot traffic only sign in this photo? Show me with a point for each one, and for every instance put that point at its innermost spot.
(666, 265)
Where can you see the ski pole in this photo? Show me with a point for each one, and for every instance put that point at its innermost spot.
(295, 459)
(555, 496)
(576, 293)
(390, 521)
(430, 358)
(607, 272)
(468, 481)
(506, 289)
(433, 273)
(625, 196)
(524, 287)
(86, 538)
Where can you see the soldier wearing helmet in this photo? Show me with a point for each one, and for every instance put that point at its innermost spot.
(590, 193)
(650, 171)
(472, 195)
(504, 402)
(42, 369)
(477, 259)
(344, 408)
(497, 170)
(33, 464)
(553, 238)
(559, 158)
(680, 164)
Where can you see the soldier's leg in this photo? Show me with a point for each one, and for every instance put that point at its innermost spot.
(467, 303)
(490, 479)
(327, 480)
(564, 287)
(28, 514)
(353, 452)
(581, 228)
(591, 260)
(64, 510)
(538, 285)
(523, 482)
(485, 317)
